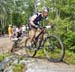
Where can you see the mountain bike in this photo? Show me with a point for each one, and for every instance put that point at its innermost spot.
(50, 43)
(18, 43)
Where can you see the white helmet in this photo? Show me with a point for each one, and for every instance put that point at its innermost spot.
(46, 9)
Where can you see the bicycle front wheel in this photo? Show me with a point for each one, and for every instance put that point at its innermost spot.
(53, 48)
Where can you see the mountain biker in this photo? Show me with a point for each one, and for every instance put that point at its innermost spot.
(17, 33)
(34, 23)
(10, 31)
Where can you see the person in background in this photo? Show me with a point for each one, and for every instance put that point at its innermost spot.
(10, 31)
(18, 32)
(23, 29)
(14, 30)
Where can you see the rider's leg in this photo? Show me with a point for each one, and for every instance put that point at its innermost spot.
(38, 32)
(32, 35)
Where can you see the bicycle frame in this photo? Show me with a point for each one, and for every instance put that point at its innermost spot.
(41, 39)
(42, 32)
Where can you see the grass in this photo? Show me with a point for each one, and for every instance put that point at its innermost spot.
(69, 57)
(40, 53)
(2, 56)
(18, 68)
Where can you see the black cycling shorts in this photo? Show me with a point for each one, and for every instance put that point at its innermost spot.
(33, 27)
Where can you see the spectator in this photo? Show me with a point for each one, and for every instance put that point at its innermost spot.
(18, 32)
(14, 30)
(23, 29)
(10, 31)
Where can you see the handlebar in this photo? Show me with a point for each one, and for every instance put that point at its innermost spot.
(48, 27)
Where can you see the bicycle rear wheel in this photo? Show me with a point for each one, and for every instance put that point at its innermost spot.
(30, 51)
(53, 48)
(14, 46)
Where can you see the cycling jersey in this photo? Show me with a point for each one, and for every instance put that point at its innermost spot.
(38, 17)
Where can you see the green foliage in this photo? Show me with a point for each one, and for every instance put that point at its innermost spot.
(17, 19)
(69, 40)
(18, 68)
(40, 53)
(63, 28)
(1, 58)
(69, 57)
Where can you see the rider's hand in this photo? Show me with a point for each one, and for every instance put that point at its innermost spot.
(36, 26)
(52, 26)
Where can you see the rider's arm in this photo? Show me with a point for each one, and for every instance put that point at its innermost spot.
(49, 23)
(32, 20)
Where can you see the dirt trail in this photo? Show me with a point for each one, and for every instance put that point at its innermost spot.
(5, 44)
